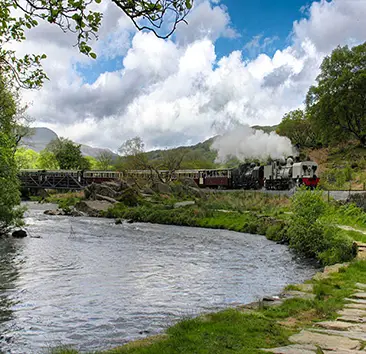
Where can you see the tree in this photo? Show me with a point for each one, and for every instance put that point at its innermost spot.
(135, 158)
(68, 154)
(26, 158)
(74, 16)
(104, 160)
(172, 161)
(93, 163)
(133, 151)
(47, 161)
(337, 104)
(297, 127)
(10, 213)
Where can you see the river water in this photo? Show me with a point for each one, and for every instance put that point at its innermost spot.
(92, 284)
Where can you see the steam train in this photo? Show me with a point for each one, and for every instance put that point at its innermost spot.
(277, 175)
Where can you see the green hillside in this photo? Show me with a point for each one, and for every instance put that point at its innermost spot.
(201, 155)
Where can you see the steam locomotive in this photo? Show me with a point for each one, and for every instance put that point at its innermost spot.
(277, 175)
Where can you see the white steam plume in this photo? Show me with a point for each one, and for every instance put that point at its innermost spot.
(245, 142)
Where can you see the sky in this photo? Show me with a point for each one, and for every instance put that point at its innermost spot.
(237, 61)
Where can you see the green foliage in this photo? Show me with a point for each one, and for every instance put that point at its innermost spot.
(68, 155)
(277, 232)
(336, 103)
(26, 158)
(104, 160)
(337, 178)
(10, 213)
(296, 126)
(92, 163)
(339, 247)
(47, 161)
(313, 238)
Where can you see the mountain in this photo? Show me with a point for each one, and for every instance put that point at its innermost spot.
(40, 137)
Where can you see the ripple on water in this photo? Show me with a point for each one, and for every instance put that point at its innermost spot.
(93, 284)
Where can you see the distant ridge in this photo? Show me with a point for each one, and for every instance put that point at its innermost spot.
(40, 137)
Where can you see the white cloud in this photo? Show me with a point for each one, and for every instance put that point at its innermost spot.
(206, 21)
(259, 44)
(173, 93)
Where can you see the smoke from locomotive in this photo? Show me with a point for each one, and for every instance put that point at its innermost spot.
(244, 142)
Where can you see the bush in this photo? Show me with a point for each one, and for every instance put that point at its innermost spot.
(277, 232)
(339, 247)
(308, 236)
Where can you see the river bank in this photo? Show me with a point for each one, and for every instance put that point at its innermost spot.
(308, 222)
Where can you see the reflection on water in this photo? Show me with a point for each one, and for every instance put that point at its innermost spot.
(93, 284)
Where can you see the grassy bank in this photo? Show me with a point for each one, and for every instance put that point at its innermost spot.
(307, 222)
(244, 330)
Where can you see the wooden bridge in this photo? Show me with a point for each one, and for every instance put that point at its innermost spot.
(62, 179)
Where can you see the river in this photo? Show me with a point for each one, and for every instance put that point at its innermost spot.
(93, 284)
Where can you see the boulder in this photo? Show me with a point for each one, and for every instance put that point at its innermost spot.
(177, 188)
(117, 186)
(93, 207)
(160, 187)
(19, 234)
(148, 191)
(108, 199)
(54, 212)
(130, 197)
(76, 213)
(101, 189)
(189, 182)
(196, 192)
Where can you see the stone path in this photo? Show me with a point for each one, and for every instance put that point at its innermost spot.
(345, 335)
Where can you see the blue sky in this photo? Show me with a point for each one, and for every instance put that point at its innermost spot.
(266, 18)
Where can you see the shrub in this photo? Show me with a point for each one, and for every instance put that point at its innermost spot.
(276, 232)
(307, 235)
(339, 247)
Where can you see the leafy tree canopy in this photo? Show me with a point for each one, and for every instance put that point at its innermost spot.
(26, 158)
(68, 154)
(78, 17)
(337, 104)
(10, 213)
(297, 127)
(47, 161)
(104, 160)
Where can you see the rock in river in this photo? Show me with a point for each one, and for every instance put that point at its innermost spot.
(54, 212)
(19, 234)
(93, 207)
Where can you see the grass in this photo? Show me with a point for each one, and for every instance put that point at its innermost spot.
(355, 235)
(244, 330)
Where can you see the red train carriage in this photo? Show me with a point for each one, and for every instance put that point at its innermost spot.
(220, 178)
